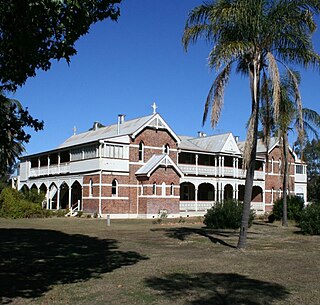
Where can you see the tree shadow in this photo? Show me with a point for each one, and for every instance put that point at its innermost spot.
(183, 232)
(32, 261)
(217, 288)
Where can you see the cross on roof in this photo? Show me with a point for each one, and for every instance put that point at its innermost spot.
(154, 106)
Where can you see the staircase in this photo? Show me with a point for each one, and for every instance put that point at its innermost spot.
(75, 208)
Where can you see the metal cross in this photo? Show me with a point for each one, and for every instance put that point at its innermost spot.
(154, 106)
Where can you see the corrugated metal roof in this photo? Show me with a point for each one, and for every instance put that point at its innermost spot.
(261, 148)
(214, 143)
(152, 162)
(126, 128)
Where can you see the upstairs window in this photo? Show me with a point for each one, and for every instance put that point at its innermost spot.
(171, 189)
(166, 149)
(154, 188)
(141, 151)
(272, 165)
(163, 189)
(299, 169)
(90, 188)
(114, 187)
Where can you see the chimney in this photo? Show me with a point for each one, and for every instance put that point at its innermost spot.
(120, 121)
(96, 125)
(201, 134)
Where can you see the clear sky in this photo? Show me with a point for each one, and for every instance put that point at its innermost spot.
(123, 67)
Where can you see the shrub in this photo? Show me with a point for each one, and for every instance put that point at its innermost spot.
(33, 196)
(226, 215)
(295, 205)
(310, 219)
(13, 205)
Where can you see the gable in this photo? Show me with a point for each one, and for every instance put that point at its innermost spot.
(157, 123)
(230, 146)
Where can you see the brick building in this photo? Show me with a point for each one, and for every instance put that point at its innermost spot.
(140, 167)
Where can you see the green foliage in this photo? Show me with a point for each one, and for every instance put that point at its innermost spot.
(32, 195)
(14, 205)
(35, 32)
(226, 215)
(295, 205)
(310, 219)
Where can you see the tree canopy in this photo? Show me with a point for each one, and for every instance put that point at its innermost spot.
(34, 32)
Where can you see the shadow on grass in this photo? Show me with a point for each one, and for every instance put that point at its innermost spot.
(32, 261)
(264, 223)
(217, 288)
(184, 232)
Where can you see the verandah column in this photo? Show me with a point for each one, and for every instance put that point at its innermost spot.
(196, 198)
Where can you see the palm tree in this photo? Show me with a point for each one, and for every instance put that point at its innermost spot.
(255, 36)
(290, 115)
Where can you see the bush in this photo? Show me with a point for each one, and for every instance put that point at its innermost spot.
(310, 219)
(14, 205)
(33, 196)
(295, 205)
(226, 215)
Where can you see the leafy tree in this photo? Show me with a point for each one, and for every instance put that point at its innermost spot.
(32, 34)
(254, 35)
(12, 135)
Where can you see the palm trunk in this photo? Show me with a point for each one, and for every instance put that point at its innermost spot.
(285, 181)
(255, 85)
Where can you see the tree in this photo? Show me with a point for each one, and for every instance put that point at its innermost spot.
(12, 135)
(32, 34)
(290, 114)
(254, 35)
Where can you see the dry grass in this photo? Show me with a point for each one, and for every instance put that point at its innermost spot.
(82, 261)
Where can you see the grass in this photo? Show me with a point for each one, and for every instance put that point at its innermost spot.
(83, 261)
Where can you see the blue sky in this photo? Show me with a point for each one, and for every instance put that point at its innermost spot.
(124, 67)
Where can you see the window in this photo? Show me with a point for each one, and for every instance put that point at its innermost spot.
(166, 149)
(141, 151)
(113, 151)
(280, 164)
(90, 187)
(171, 189)
(299, 169)
(89, 152)
(272, 165)
(154, 188)
(114, 187)
(163, 189)
(272, 195)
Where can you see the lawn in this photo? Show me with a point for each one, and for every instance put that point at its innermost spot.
(83, 261)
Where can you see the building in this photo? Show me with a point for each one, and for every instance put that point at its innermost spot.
(141, 167)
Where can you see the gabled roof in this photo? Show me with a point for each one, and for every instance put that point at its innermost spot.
(216, 143)
(157, 161)
(261, 148)
(127, 128)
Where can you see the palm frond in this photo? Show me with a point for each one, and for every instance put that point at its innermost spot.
(215, 96)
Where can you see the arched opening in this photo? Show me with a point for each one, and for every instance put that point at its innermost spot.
(163, 189)
(76, 193)
(187, 191)
(171, 189)
(64, 196)
(257, 194)
(114, 188)
(34, 188)
(154, 188)
(43, 190)
(166, 149)
(241, 192)
(53, 193)
(90, 187)
(228, 192)
(141, 151)
(206, 192)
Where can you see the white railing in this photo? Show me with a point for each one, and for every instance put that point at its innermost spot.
(202, 170)
(74, 209)
(50, 170)
(195, 205)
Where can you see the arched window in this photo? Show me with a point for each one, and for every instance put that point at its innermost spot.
(163, 189)
(141, 151)
(114, 187)
(279, 167)
(154, 188)
(272, 165)
(90, 187)
(171, 189)
(272, 195)
(166, 149)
